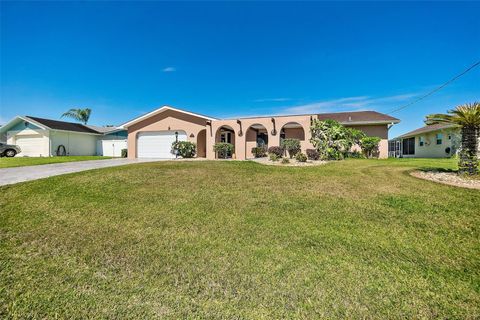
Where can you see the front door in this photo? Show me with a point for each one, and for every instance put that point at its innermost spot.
(226, 137)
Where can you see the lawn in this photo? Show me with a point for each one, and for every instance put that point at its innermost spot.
(33, 161)
(238, 240)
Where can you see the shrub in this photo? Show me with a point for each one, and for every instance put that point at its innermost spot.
(355, 154)
(332, 140)
(223, 149)
(184, 149)
(301, 157)
(285, 160)
(124, 153)
(259, 152)
(292, 146)
(278, 151)
(312, 154)
(274, 157)
(369, 145)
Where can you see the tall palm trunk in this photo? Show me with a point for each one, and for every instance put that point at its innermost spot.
(468, 162)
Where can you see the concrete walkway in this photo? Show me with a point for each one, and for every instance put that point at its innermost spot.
(21, 174)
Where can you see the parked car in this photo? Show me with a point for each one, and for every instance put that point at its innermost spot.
(9, 150)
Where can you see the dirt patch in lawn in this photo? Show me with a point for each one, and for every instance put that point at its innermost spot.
(450, 178)
(292, 163)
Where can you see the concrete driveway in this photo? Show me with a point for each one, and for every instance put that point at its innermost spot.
(21, 174)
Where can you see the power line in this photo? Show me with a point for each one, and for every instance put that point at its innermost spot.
(436, 89)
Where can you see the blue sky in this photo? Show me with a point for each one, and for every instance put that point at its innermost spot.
(123, 59)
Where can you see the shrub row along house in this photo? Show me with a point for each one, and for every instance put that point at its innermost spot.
(151, 135)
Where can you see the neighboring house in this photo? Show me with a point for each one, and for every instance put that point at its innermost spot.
(151, 135)
(38, 137)
(3, 136)
(432, 141)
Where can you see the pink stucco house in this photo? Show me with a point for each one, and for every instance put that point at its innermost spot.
(151, 135)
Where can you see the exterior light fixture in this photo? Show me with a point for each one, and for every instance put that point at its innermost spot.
(274, 130)
(240, 132)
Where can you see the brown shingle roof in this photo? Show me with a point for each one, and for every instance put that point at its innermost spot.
(429, 128)
(62, 125)
(357, 116)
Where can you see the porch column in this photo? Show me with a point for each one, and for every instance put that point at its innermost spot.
(274, 140)
(240, 143)
(211, 131)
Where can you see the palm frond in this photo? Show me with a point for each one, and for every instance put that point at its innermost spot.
(464, 115)
(81, 115)
(439, 118)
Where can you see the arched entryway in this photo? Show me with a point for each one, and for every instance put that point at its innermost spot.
(256, 136)
(202, 144)
(225, 134)
(292, 130)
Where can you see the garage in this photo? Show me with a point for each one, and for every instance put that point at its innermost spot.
(158, 144)
(31, 145)
(111, 148)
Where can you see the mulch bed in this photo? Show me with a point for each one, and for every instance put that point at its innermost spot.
(292, 163)
(450, 178)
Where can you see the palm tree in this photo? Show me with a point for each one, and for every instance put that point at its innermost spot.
(467, 118)
(81, 115)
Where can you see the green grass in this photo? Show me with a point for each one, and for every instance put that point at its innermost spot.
(238, 240)
(33, 161)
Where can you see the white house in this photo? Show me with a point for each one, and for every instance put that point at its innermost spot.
(432, 141)
(38, 137)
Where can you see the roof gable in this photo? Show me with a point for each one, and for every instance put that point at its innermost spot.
(22, 125)
(160, 110)
(18, 122)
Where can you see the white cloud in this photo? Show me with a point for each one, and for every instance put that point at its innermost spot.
(169, 69)
(272, 100)
(350, 104)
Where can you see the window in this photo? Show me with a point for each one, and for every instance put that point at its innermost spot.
(408, 146)
(439, 137)
(421, 141)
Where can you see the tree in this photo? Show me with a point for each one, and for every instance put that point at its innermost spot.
(81, 115)
(467, 118)
(292, 146)
(333, 140)
(369, 145)
(353, 137)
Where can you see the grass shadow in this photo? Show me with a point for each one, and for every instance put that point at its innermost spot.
(436, 169)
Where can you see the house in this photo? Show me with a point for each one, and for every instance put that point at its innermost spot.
(432, 141)
(151, 135)
(38, 137)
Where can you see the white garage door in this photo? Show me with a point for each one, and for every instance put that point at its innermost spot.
(158, 144)
(31, 145)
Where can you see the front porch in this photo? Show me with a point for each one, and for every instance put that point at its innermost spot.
(247, 133)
